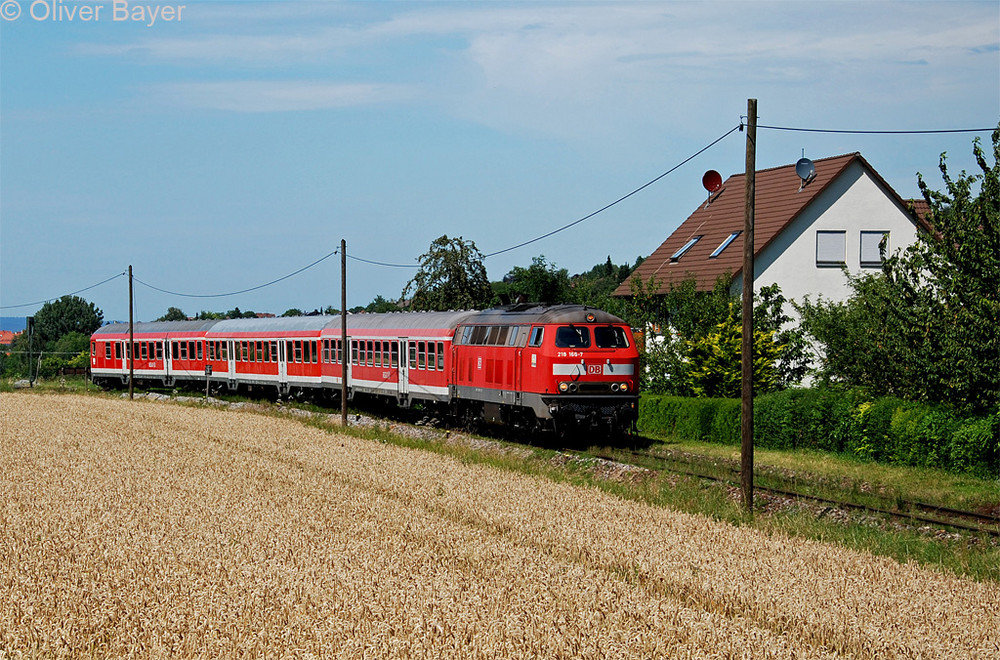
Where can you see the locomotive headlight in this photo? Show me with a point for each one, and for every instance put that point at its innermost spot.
(624, 387)
(615, 387)
(563, 386)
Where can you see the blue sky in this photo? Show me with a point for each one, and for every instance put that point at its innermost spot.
(240, 141)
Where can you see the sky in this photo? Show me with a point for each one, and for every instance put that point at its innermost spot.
(218, 146)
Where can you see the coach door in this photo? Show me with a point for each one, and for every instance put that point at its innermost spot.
(403, 380)
(231, 360)
(282, 364)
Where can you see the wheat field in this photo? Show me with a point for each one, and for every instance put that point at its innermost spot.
(156, 530)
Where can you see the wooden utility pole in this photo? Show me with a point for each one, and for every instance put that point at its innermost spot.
(130, 352)
(344, 347)
(746, 446)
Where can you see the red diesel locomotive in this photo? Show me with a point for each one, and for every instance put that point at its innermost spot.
(549, 367)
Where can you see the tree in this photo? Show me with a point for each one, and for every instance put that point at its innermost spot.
(380, 305)
(927, 328)
(60, 317)
(173, 314)
(540, 282)
(451, 276)
(292, 312)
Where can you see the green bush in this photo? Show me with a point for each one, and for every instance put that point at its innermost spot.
(690, 419)
(886, 429)
(974, 447)
(919, 435)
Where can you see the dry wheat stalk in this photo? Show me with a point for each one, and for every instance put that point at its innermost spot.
(148, 529)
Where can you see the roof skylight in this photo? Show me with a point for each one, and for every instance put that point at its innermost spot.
(724, 244)
(687, 246)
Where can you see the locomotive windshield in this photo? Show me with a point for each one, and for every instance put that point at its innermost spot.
(610, 337)
(572, 336)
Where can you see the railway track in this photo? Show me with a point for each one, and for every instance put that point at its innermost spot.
(912, 510)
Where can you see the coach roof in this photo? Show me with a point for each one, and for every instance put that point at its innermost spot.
(156, 327)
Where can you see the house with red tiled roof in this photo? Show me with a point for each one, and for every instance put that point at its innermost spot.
(805, 233)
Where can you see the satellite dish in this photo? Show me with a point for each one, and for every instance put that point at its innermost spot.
(806, 171)
(712, 181)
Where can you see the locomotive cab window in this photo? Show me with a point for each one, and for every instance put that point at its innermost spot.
(610, 337)
(572, 336)
(536, 336)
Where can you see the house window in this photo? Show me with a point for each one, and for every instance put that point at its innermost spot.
(724, 244)
(831, 248)
(870, 255)
(687, 246)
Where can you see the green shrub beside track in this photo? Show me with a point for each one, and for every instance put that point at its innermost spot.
(887, 429)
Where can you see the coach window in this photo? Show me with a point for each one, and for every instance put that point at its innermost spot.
(421, 355)
(413, 354)
(369, 356)
(143, 351)
(440, 356)
(337, 348)
(191, 352)
(107, 351)
(378, 354)
(572, 336)
(260, 351)
(385, 354)
(315, 351)
(536, 336)
(431, 355)
(274, 351)
(395, 354)
(184, 350)
(211, 351)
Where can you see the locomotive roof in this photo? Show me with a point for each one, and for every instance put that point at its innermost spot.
(529, 313)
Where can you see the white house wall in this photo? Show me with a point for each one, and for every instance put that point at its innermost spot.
(854, 202)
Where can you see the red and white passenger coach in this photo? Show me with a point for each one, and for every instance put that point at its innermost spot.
(522, 365)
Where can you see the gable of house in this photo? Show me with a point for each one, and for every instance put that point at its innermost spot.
(803, 234)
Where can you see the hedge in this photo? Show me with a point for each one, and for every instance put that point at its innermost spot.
(885, 429)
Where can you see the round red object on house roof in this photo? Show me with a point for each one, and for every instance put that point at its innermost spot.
(712, 181)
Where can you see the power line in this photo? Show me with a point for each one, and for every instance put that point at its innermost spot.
(382, 263)
(235, 293)
(853, 132)
(42, 302)
(623, 197)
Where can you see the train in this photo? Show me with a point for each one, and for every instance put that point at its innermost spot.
(526, 366)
